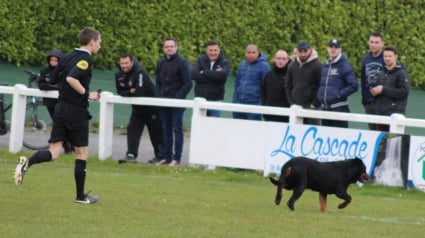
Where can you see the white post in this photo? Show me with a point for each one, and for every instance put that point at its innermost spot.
(106, 127)
(395, 127)
(18, 119)
(294, 115)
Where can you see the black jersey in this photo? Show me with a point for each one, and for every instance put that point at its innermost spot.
(77, 64)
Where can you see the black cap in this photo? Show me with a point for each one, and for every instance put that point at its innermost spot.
(334, 42)
(303, 45)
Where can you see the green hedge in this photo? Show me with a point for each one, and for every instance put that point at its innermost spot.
(29, 29)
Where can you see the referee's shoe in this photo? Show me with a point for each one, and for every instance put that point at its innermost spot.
(20, 170)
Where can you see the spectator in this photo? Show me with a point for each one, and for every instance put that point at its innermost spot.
(131, 80)
(338, 82)
(273, 87)
(172, 81)
(303, 79)
(372, 64)
(250, 74)
(71, 117)
(393, 86)
(44, 82)
(210, 73)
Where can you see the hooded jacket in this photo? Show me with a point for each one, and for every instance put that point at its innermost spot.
(337, 83)
(303, 81)
(44, 78)
(396, 87)
(249, 79)
(210, 84)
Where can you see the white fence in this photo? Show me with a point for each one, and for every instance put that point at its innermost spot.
(201, 124)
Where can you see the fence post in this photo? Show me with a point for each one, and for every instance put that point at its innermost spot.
(395, 127)
(294, 115)
(17, 119)
(106, 128)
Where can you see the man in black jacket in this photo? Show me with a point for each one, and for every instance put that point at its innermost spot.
(210, 73)
(172, 81)
(131, 80)
(303, 80)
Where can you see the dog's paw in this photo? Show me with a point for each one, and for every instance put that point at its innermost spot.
(291, 206)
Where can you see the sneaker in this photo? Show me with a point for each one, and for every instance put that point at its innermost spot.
(163, 162)
(155, 160)
(87, 199)
(129, 158)
(20, 170)
(174, 163)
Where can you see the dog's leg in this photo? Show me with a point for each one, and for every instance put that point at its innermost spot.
(323, 201)
(298, 191)
(343, 195)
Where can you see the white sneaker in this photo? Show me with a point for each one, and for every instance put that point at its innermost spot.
(20, 170)
(174, 163)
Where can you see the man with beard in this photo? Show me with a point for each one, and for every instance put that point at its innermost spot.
(273, 87)
(303, 79)
(131, 80)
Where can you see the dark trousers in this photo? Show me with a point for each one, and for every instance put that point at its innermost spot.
(370, 109)
(172, 127)
(138, 120)
(336, 123)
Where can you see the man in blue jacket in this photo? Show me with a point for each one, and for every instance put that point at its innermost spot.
(250, 75)
(337, 83)
(372, 64)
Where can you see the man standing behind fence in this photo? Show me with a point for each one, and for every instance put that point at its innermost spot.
(303, 79)
(372, 64)
(172, 81)
(250, 75)
(210, 73)
(131, 80)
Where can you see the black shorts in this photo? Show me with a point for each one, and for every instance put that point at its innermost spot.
(70, 123)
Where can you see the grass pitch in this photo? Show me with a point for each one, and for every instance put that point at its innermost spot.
(138, 200)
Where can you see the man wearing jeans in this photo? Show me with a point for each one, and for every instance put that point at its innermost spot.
(172, 81)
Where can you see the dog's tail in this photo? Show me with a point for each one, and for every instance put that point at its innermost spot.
(278, 184)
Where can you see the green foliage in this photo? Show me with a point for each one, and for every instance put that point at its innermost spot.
(31, 28)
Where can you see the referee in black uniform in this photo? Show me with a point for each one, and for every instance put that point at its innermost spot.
(71, 116)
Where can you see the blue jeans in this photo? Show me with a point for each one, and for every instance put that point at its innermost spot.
(172, 127)
(213, 113)
(247, 116)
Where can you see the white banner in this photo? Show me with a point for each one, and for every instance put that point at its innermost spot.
(320, 143)
(416, 174)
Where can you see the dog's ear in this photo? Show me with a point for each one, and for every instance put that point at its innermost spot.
(274, 181)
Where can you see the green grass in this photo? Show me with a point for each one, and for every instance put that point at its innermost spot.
(159, 201)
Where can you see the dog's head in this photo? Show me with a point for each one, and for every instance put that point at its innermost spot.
(361, 170)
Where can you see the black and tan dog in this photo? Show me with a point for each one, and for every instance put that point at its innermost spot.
(326, 178)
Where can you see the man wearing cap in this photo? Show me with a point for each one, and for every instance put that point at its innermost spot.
(303, 79)
(337, 83)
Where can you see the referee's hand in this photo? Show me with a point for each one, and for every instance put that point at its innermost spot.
(94, 96)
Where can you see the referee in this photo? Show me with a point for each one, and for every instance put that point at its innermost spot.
(71, 116)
